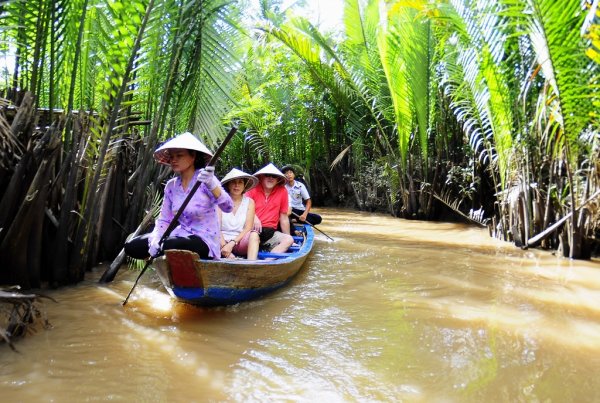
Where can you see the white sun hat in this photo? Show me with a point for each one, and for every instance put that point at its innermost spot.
(235, 173)
(271, 169)
(185, 140)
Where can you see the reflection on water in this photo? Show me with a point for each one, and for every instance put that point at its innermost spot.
(392, 310)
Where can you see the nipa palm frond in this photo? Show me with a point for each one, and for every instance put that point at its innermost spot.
(554, 31)
(209, 67)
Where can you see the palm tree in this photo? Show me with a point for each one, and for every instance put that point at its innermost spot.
(169, 63)
(513, 73)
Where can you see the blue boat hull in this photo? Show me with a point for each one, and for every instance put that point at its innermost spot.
(227, 282)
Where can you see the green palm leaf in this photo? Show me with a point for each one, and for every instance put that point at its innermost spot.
(477, 79)
(409, 39)
(208, 67)
(554, 31)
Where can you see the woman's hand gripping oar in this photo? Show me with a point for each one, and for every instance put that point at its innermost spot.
(306, 222)
(174, 222)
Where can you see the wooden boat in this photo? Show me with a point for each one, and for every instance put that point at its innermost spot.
(229, 281)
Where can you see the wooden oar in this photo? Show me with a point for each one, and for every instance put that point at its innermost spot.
(175, 222)
(306, 222)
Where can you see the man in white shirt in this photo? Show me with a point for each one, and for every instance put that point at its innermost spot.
(298, 194)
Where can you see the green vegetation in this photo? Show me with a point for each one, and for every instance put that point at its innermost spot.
(417, 108)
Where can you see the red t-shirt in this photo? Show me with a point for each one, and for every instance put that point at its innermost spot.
(269, 208)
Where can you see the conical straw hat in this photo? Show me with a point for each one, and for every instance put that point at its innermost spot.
(271, 169)
(235, 173)
(185, 140)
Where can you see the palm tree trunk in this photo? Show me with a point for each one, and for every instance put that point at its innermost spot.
(25, 118)
(107, 188)
(21, 248)
(60, 274)
(23, 174)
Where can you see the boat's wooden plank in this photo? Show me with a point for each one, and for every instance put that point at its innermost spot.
(183, 269)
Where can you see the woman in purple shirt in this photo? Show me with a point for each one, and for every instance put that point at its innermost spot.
(198, 228)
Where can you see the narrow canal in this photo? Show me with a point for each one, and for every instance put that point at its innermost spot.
(393, 310)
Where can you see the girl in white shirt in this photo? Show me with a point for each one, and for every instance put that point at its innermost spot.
(237, 236)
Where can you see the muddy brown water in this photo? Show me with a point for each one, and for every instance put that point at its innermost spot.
(393, 310)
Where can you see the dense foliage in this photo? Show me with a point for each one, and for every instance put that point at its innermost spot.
(488, 108)
(418, 108)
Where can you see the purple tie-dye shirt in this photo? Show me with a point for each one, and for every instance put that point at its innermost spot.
(199, 217)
